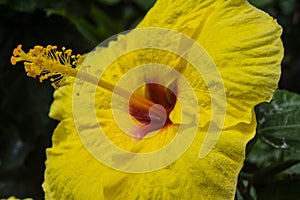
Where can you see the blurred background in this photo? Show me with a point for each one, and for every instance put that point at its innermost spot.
(25, 128)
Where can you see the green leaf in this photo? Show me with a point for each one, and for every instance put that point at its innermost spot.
(268, 172)
(24, 6)
(279, 121)
(84, 27)
(146, 5)
(2, 2)
(261, 3)
(103, 23)
(287, 6)
(109, 2)
(281, 190)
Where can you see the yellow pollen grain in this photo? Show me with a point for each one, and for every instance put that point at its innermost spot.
(13, 60)
(16, 52)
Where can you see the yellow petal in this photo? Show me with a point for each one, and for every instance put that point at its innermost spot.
(73, 172)
(61, 107)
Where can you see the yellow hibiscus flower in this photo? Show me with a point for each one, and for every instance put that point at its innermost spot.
(231, 65)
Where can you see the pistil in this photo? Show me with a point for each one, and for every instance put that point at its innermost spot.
(48, 62)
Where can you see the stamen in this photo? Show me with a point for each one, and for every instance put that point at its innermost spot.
(48, 62)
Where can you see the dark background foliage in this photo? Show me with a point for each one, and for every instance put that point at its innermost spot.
(25, 128)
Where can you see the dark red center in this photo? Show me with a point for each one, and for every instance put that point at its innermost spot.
(158, 94)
